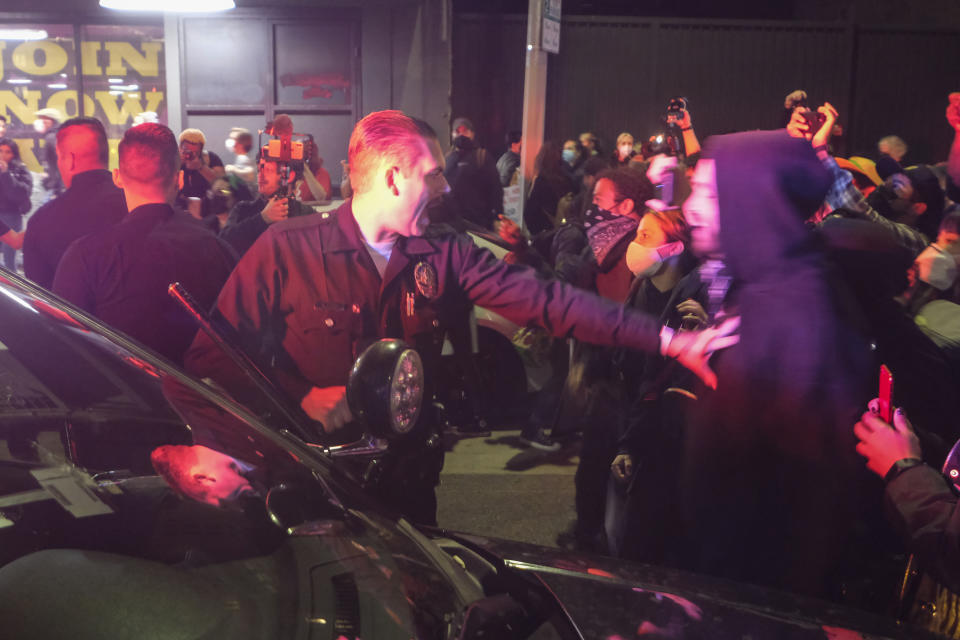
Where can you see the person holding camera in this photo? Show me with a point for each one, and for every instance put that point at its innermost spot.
(199, 169)
(249, 218)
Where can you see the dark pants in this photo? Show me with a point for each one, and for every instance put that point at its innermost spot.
(15, 222)
(597, 452)
(544, 414)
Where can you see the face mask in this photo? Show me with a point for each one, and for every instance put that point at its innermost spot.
(644, 262)
(39, 126)
(569, 155)
(625, 150)
(228, 143)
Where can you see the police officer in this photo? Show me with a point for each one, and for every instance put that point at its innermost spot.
(314, 291)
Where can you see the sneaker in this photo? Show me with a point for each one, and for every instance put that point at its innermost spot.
(541, 441)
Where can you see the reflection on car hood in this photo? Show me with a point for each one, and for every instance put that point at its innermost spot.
(611, 599)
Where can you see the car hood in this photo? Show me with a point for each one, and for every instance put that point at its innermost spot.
(612, 599)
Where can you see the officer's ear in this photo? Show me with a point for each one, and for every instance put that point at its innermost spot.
(117, 180)
(393, 179)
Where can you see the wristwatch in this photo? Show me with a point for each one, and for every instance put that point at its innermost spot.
(900, 466)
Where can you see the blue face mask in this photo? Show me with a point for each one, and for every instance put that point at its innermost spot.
(569, 155)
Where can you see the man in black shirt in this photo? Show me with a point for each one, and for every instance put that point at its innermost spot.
(121, 275)
(90, 204)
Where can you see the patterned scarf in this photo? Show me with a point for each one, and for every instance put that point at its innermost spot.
(604, 230)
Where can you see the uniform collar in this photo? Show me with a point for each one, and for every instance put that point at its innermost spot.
(349, 238)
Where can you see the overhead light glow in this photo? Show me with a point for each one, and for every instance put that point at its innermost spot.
(57, 85)
(172, 6)
(19, 80)
(23, 34)
(115, 80)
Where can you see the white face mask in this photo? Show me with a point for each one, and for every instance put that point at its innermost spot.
(39, 126)
(644, 262)
(625, 150)
(229, 143)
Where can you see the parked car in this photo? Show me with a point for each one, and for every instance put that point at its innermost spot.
(250, 531)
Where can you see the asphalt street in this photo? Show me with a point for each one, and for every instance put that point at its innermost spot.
(497, 487)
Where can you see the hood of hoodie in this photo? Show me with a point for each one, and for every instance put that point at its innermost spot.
(768, 184)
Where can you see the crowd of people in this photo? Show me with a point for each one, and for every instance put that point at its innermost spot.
(728, 307)
(834, 265)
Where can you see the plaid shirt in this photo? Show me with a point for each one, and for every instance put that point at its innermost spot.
(843, 194)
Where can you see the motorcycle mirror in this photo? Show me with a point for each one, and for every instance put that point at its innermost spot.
(385, 389)
(951, 466)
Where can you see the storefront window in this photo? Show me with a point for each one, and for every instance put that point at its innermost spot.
(118, 71)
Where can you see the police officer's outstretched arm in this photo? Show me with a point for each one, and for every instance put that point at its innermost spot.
(516, 293)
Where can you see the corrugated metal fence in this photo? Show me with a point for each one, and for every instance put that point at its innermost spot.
(617, 74)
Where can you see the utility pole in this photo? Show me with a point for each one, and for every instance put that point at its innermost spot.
(535, 85)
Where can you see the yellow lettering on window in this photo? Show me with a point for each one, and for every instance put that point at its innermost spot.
(54, 58)
(88, 58)
(124, 53)
(3, 45)
(129, 107)
(27, 155)
(22, 110)
(66, 103)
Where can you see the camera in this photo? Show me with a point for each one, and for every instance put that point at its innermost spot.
(188, 155)
(284, 150)
(676, 108)
(292, 155)
(814, 119)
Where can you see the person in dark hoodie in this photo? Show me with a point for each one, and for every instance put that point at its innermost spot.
(472, 175)
(767, 483)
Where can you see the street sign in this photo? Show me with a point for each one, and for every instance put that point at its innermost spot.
(551, 26)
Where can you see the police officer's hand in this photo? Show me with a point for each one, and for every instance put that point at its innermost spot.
(622, 467)
(276, 210)
(327, 405)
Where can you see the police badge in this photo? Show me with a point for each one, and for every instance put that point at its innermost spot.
(425, 275)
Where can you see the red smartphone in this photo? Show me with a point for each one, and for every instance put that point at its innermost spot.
(886, 394)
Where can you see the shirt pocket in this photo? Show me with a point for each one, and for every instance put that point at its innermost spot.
(327, 332)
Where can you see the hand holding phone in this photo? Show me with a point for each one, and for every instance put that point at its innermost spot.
(886, 394)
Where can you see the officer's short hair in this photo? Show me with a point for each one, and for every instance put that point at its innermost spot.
(383, 136)
(149, 154)
(95, 127)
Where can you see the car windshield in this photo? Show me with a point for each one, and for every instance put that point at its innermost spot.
(106, 448)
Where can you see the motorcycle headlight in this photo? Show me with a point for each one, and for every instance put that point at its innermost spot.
(385, 389)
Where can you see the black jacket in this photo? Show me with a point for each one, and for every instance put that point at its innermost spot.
(16, 184)
(121, 275)
(474, 182)
(91, 204)
(245, 224)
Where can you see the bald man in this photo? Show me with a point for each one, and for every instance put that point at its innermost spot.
(91, 203)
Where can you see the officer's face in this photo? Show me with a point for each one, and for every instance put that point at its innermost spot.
(424, 185)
